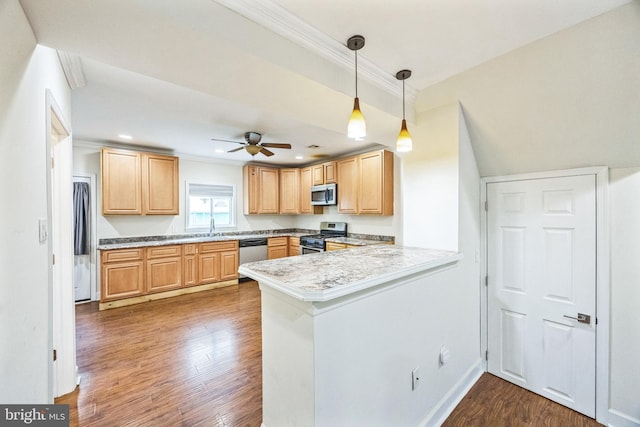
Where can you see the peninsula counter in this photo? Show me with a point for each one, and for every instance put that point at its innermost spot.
(339, 331)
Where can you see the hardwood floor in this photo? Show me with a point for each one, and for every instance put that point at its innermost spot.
(195, 360)
(497, 403)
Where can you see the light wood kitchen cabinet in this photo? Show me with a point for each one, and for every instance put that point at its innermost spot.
(333, 246)
(306, 181)
(330, 172)
(160, 184)
(122, 274)
(261, 190)
(348, 185)
(189, 265)
(375, 186)
(290, 191)
(294, 246)
(135, 183)
(217, 261)
(365, 184)
(164, 268)
(121, 182)
(277, 247)
(325, 173)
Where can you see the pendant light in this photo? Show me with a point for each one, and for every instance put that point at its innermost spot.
(404, 143)
(357, 128)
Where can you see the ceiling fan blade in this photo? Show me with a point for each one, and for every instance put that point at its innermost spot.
(275, 145)
(266, 152)
(235, 149)
(228, 140)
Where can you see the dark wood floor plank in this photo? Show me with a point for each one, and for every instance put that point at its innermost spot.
(498, 403)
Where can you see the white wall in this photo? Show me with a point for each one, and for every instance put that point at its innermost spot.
(25, 328)
(441, 193)
(625, 296)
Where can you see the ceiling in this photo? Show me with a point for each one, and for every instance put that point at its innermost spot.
(173, 75)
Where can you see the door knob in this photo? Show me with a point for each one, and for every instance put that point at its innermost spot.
(582, 318)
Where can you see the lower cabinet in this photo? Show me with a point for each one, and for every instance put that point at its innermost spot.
(127, 273)
(277, 247)
(122, 274)
(332, 246)
(164, 268)
(294, 246)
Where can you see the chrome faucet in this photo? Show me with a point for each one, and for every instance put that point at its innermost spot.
(212, 227)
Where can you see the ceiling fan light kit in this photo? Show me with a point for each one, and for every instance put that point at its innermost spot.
(357, 128)
(404, 142)
(253, 144)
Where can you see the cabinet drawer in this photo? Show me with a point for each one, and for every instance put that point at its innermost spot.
(277, 241)
(189, 249)
(122, 255)
(163, 251)
(218, 246)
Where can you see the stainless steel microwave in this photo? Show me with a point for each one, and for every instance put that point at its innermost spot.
(324, 194)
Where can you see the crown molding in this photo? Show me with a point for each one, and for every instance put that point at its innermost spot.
(73, 71)
(280, 21)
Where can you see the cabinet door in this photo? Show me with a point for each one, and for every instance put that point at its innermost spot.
(251, 189)
(332, 246)
(330, 173)
(122, 280)
(306, 181)
(268, 200)
(160, 184)
(348, 185)
(228, 265)
(375, 187)
(294, 246)
(190, 270)
(290, 191)
(164, 274)
(208, 268)
(274, 252)
(318, 174)
(121, 182)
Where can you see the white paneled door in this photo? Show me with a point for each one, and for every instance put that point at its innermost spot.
(541, 266)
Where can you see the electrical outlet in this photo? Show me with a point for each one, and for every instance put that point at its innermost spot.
(444, 355)
(415, 378)
(43, 230)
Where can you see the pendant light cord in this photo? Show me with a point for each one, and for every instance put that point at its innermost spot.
(356, 52)
(403, 100)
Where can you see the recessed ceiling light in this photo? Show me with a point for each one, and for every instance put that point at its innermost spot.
(299, 157)
(219, 150)
(125, 136)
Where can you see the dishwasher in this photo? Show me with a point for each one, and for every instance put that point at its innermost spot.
(253, 249)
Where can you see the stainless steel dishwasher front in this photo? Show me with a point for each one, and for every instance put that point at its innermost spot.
(251, 250)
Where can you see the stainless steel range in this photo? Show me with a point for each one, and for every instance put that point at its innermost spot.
(315, 242)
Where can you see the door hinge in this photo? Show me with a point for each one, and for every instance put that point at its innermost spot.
(486, 206)
(52, 163)
(486, 355)
(55, 355)
(486, 280)
(53, 259)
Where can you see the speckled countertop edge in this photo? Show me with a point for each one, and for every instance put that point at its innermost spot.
(329, 275)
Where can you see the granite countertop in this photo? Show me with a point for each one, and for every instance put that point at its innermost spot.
(328, 275)
(354, 241)
(142, 242)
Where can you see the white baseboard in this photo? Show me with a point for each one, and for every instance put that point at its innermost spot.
(618, 419)
(448, 403)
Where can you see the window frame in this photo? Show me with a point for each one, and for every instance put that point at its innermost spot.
(232, 206)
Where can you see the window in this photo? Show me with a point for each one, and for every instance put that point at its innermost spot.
(206, 201)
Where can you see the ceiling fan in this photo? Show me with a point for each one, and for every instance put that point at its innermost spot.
(253, 145)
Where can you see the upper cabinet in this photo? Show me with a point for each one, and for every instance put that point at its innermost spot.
(365, 184)
(290, 191)
(135, 183)
(306, 181)
(261, 190)
(324, 173)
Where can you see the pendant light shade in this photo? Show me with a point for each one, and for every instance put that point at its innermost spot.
(357, 128)
(404, 142)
